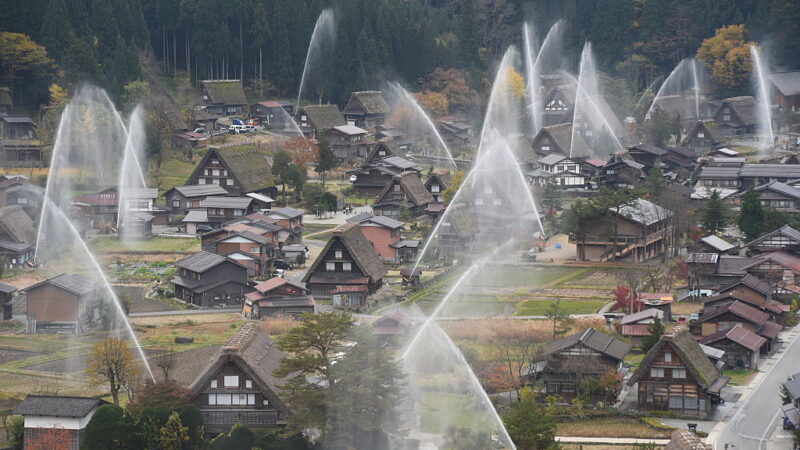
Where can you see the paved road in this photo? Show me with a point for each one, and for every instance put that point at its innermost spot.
(759, 410)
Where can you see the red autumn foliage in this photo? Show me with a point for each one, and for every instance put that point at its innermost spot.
(49, 439)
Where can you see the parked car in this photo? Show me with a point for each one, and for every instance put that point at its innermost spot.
(203, 229)
(353, 178)
(282, 265)
(236, 129)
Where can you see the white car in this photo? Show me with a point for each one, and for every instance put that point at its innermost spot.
(353, 178)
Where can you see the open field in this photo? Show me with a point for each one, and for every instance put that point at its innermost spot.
(618, 427)
(505, 290)
(740, 377)
(109, 244)
(434, 404)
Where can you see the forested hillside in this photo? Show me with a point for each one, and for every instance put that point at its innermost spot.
(98, 40)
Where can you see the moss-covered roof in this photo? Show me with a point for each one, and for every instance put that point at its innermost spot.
(689, 351)
(367, 102)
(250, 165)
(225, 92)
(324, 117)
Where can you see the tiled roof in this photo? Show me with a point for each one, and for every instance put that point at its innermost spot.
(196, 217)
(733, 265)
(275, 282)
(786, 230)
(647, 148)
(788, 83)
(596, 340)
(644, 212)
(739, 335)
(650, 313)
(289, 213)
(385, 221)
(57, 406)
(636, 329)
(200, 261)
(739, 309)
(226, 202)
(781, 257)
(719, 172)
(201, 190)
(771, 170)
(752, 282)
(552, 158)
(77, 284)
(781, 188)
(717, 243)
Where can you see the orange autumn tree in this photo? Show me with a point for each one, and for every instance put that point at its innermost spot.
(433, 102)
(302, 151)
(112, 362)
(727, 57)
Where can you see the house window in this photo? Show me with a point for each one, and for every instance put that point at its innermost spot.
(330, 267)
(215, 172)
(397, 188)
(545, 148)
(212, 399)
(248, 384)
(338, 254)
(667, 356)
(657, 372)
(435, 188)
(201, 181)
(215, 180)
(347, 267)
(497, 202)
(255, 251)
(726, 117)
(238, 212)
(478, 201)
(251, 399)
(488, 190)
(214, 161)
(701, 135)
(678, 373)
(231, 381)
(22, 201)
(213, 383)
(176, 203)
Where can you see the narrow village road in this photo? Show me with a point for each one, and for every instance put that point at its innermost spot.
(759, 412)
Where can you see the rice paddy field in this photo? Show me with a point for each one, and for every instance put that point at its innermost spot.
(513, 290)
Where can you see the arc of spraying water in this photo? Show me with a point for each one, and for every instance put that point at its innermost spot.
(696, 89)
(326, 15)
(763, 98)
(533, 78)
(410, 99)
(597, 111)
(529, 194)
(667, 82)
(60, 136)
(106, 283)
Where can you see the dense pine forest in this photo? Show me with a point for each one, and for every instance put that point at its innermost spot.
(265, 41)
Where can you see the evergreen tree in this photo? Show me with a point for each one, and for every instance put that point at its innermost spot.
(656, 330)
(365, 399)
(562, 321)
(751, 215)
(109, 427)
(310, 351)
(56, 32)
(715, 214)
(327, 160)
(610, 30)
(173, 434)
(529, 424)
(281, 162)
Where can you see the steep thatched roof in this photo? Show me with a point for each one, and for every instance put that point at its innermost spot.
(744, 107)
(323, 117)
(367, 102)
(461, 222)
(689, 351)
(560, 135)
(225, 92)
(709, 129)
(16, 224)
(411, 184)
(248, 163)
(255, 353)
(360, 249)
